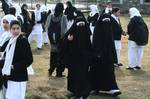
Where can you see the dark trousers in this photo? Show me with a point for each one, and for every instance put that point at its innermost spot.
(55, 64)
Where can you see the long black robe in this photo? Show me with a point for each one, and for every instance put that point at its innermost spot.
(75, 55)
(102, 71)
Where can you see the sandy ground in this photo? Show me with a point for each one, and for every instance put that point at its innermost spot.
(133, 84)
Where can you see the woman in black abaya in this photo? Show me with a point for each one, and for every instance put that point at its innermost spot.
(75, 53)
(102, 71)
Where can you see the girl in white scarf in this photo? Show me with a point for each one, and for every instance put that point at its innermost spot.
(5, 22)
(135, 51)
(36, 33)
(16, 63)
(134, 12)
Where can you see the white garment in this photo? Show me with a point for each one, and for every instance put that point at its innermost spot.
(37, 32)
(94, 10)
(30, 70)
(18, 12)
(1, 31)
(45, 37)
(10, 49)
(4, 37)
(116, 18)
(38, 38)
(43, 8)
(118, 49)
(1, 94)
(37, 29)
(135, 54)
(92, 31)
(16, 90)
(108, 10)
(69, 24)
(37, 15)
(134, 12)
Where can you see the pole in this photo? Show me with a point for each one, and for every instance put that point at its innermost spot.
(45, 2)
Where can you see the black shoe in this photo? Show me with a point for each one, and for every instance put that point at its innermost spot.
(138, 67)
(50, 72)
(120, 64)
(60, 76)
(95, 92)
(129, 68)
(45, 43)
(115, 94)
(39, 48)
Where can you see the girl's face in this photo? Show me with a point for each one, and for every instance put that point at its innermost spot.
(15, 30)
(6, 24)
(118, 13)
(38, 6)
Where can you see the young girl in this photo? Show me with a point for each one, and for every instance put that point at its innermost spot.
(5, 22)
(45, 14)
(138, 38)
(117, 33)
(26, 26)
(17, 58)
(6, 35)
(37, 21)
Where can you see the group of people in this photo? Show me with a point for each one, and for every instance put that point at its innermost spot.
(88, 47)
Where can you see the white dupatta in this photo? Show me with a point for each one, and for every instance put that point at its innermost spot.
(10, 49)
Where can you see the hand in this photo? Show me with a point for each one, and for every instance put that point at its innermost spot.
(70, 37)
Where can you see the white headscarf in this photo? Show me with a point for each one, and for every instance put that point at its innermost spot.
(108, 10)
(43, 8)
(134, 12)
(18, 12)
(94, 10)
(6, 35)
(18, 9)
(9, 18)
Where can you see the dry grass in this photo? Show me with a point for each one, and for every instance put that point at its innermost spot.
(133, 84)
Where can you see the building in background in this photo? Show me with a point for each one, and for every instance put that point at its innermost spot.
(142, 5)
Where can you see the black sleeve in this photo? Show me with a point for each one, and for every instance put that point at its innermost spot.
(33, 19)
(27, 57)
(2, 48)
(130, 28)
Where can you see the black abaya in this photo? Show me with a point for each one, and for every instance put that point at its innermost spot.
(102, 71)
(76, 55)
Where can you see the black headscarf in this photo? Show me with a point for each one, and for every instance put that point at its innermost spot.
(70, 10)
(81, 44)
(103, 43)
(59, 9)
